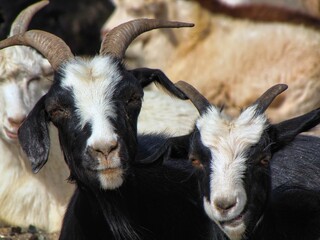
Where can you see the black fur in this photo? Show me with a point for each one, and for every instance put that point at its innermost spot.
(293, 213)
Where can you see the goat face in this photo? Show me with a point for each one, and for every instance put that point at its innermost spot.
(232, 157)
(24, 78)
(95, 105)
(235, 168)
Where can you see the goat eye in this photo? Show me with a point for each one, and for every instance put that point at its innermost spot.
(265, 161)
(57, 113)
(196, 163)
(134, 99)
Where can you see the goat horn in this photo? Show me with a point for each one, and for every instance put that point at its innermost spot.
(118, 39)
(21, 23)
(198, 100)
(50, 46)
(266, 98)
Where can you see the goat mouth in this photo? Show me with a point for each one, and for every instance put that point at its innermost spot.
(11, 134)
(109, 170)
(234, 222)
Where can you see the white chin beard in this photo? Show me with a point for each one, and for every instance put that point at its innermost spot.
(111, 180)
(234, 232)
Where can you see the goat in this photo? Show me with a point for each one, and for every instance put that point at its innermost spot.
(232, 157)
(94, 103)
(25, 198)
(238, 152)
(254, 47)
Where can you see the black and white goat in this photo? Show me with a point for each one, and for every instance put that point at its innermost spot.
(95, 103)
(232, 157)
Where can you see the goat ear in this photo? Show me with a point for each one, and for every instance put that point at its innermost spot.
(147, 76)
(172, 148)
(34, 136)
(286, 131)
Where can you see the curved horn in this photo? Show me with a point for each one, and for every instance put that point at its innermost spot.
(50, 46)
(21, 23)
(198, 100)
(266, 98)
(118, 39)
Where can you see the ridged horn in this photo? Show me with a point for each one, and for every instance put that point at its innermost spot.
(264, 101)
(116, 41)
(198, 100)
(53, 48)
(22, 21)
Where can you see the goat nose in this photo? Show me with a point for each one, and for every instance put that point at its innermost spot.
(225, 204)
(104, 149)
(16, 121)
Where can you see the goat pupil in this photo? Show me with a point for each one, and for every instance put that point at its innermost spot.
(264, 162)
(196, 163)
(56, 113)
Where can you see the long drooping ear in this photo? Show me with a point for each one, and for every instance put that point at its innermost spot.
(286, 131)
(34, 136)
(147, 76)
(172, 148)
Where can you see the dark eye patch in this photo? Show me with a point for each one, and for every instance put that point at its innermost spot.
(59, 112)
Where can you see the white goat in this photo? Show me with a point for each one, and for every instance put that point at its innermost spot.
(230, 60)
(26, 198)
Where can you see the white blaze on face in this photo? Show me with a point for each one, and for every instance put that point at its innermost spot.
(93, 84)
(228, 139)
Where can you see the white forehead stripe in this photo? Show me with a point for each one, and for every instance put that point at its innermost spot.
(228, 139)
(93, 82)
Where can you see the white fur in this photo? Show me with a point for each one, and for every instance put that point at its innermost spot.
(27, 198)
(111, 180)
(163, 113)
(228, 139)
(93, 83)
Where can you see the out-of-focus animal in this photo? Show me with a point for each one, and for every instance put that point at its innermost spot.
(166, 39)
(80, 20)
(161, 113)
(233, 52)
(26, 198)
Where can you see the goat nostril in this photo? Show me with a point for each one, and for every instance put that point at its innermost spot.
(17, 121)
(104, 149)
(113, 146)
(225, 204)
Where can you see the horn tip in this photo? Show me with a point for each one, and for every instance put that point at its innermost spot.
(281, 87)
(181, 84)
(185, 24)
